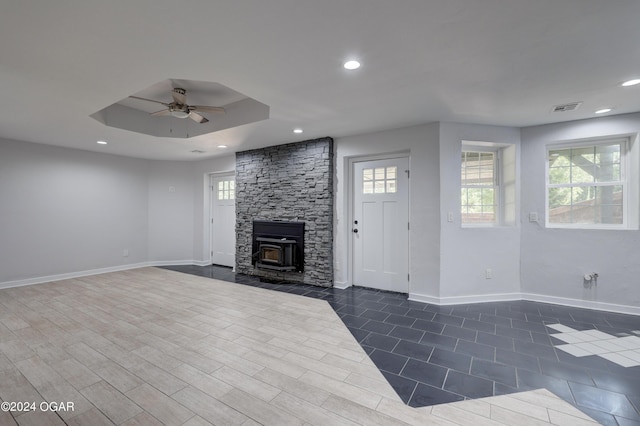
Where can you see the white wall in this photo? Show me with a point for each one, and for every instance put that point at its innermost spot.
(171, 211)
(64, 210)
(466, 253)
(179, 227)
(554, 260)
(67, 212)
(447, 262)
(422, 144)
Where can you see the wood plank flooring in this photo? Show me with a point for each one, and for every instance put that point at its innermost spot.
(152, 346)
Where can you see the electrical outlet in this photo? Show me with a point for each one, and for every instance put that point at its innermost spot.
(533, 217)
(488, 273)
(125, 253)
(450, 217)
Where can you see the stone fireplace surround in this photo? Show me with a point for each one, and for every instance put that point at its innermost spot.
(291, 182)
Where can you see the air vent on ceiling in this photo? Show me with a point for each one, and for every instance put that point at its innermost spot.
(566, 107)
(197, 151)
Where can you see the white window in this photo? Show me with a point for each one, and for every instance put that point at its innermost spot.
(488, 184)
(226, 189)
(479, 192)
(587, 185)
(380, 180)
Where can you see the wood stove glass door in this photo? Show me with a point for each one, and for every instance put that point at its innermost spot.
(380, 223)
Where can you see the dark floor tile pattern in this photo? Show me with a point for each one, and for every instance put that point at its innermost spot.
(437, 354)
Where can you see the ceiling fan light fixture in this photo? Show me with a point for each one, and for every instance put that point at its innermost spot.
(178, 113)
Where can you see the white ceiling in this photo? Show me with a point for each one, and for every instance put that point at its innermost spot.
(503, 62)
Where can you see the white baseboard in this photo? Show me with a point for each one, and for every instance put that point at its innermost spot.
(86, 273)
(79, 274)
(416, 297)
(457, 300)
(341, 285)
(443, 301)
(179, 262)
(587, 304)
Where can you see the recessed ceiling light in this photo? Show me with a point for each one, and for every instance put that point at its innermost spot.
(603, 111)
(222, 146)
(297, 130)
(352, 65)
(101, 143)
(631, 82)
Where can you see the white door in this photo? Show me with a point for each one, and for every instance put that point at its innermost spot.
(380, 226)
(223, 220)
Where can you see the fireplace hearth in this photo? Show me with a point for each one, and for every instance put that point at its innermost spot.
(278, 245)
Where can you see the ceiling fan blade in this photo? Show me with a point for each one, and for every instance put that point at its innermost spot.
(148, 100)
(162, 112)
(197, 117)
(204, 108)
(179, 96)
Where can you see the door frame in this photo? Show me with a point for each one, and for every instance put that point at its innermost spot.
(210, 177)
(351, 161)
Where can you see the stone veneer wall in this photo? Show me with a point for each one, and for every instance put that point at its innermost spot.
(292, 182)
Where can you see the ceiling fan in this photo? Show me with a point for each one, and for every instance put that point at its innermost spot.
(180, 109)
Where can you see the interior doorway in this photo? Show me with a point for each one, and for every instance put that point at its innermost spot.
(223, 220)
(380, 224)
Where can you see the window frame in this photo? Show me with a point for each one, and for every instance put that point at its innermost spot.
(229, 191)
(386, 180)
(496, 150)
(624, 142)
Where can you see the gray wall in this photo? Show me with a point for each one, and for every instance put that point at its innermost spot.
(554, 260)
(292, 182)
(466, 253)
(421, 144)
(67, 212)
(64, 210)
(448, 262)
(171, 209)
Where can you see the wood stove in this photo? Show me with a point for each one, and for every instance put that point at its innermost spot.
(278, 245)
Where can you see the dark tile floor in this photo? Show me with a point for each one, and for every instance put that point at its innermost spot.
(436, 354)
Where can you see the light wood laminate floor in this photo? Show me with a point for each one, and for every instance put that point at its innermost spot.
(151, 346)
